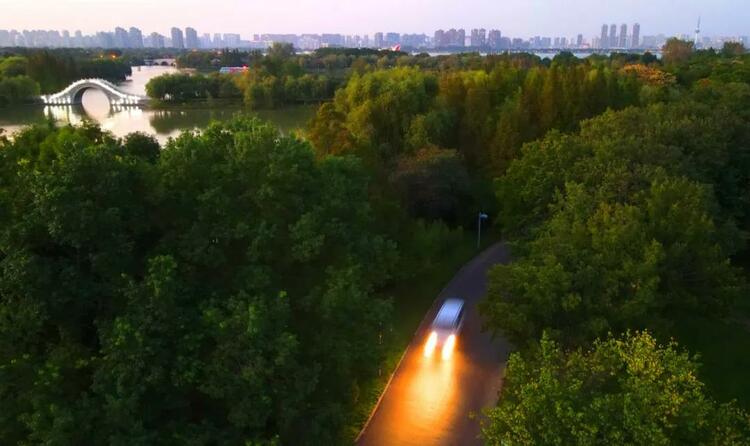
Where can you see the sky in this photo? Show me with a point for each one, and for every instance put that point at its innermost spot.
(521, 18)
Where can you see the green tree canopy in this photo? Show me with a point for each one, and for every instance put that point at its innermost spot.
(217, 291)
(626, 390)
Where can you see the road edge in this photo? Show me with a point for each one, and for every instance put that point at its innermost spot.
(419, 328)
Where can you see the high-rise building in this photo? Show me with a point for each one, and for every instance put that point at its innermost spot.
(414, 40)
(206, 41)
(478, 38)
(78, 39)
(121, 38)
(379, 42)
(461, 37)
(623, 43)
(603, 40)
(439, 39)
(191, 38)
(136, 37)
(232, 40)
(451, 37)
(392, 39)
(613, 36)
(5, 38)
(103, 40)
(635, 41)
(494, 39)
(157, 40)
(218, 41)
(579, 41)
(177, 39)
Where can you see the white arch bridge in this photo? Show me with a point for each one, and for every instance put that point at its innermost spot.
(73, 94)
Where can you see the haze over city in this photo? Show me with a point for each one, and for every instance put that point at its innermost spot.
(513, 17)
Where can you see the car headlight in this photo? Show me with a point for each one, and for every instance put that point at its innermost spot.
(429, 346)
(448, 347)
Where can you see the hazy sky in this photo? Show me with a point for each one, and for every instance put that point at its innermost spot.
(521, 18)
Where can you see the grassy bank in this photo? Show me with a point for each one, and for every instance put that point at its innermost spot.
(412, 299)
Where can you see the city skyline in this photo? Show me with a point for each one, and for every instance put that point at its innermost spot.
(514, 17)
(612, 37)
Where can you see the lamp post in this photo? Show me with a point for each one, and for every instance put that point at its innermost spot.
(482, 216)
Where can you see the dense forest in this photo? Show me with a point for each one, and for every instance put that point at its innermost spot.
(231, 287)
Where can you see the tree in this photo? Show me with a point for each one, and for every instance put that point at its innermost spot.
(733, 49)
(626, 390)
(13, 66)
(434, 185)
(206, 293)
(610, 221)
(676, 51)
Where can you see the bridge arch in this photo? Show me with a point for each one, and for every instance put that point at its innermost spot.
(73, 94)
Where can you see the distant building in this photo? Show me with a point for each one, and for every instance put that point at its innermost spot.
(5, 38)
(635, 40)
(191, 38)
(392, 39)
(613, 36)
(177, 39)
(136, 37)
(439, 39)
(379, 41)
(232, 40)
(121, 38)
(157, 40)
(623, 43)
(478, 38)
(454, 38)
(104, 40)
(494, 39)
(332, 40)
(579, 41)
(206, 41)
(604, 40)
(653, 42)
(414, 40)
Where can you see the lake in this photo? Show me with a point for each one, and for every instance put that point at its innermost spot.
(163, 124)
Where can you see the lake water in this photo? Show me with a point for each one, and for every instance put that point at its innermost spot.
(163, 124)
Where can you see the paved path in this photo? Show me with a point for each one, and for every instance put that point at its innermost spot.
(428, 401)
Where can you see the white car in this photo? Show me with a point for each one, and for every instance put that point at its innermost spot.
(444, 329)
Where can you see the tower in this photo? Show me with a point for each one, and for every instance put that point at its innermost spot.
(698, 32)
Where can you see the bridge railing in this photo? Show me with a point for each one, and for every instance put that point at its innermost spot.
(107, 87)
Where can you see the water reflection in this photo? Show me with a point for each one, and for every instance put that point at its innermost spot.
(121, 120)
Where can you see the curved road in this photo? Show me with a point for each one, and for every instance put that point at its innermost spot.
(429, 400)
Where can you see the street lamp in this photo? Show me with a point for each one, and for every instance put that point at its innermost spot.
(482, 216)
